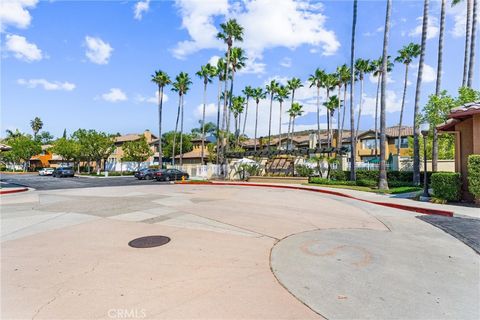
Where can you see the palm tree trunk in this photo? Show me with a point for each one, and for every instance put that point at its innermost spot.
(176, 128)
(382, 181)
(229, 113)
(288, 133)
(344, 110)
(203, 119)
(318, 117)
(225, 105)
(353, 176)
(339, 141)
(290, 144)
(401, 110)
(360, 108)
(256, 126)
(270, 121)
(467, 43)
(380, 75)
(181, 134)
(416, 119)
(218, 120)
(472, 44)
(160, 107)
(329, 141)
(280, 128)
(245, 118)
(438, 84)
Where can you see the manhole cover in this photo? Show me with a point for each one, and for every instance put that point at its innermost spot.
(149, 242)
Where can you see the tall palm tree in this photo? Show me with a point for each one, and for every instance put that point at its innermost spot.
(181, 86)
(271, 89)
(238, 104)
(353, 147)
(161, 79)
(382, 180)
(205, 73)
(343, 73)
(231, 31)
(416, 115)
(405, 56)
(378, 73)
(281, 96)
(317, 79)
(329, 82)
(295, 111)
(248, 92)
(258, 94)
(36, 124)
(472, 44)
(468, 29)
(362, 67)
(237, 62)
(219, 71)
(292, 84)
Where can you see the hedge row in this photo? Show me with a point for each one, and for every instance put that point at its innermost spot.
(393, 177)
(446, 185)
(474, 175)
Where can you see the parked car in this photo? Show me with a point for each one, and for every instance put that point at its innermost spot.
(63, 172)
(170, 175)
(46, 172)
(145, 174)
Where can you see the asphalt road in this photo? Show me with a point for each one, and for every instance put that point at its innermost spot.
(49, 183)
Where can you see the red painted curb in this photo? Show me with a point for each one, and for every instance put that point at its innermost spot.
(335, 193)
(13, 191)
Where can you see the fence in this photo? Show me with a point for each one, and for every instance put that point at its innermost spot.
(201, 171)
(369, 166)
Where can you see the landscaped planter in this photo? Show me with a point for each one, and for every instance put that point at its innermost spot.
(294, 180)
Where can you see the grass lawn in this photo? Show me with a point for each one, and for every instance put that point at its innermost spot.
(395, 190)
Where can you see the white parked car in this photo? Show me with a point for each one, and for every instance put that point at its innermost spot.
(45, 172)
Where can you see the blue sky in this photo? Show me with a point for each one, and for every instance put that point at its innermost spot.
(87, 64)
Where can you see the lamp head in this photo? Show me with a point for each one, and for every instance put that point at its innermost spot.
(424, 129)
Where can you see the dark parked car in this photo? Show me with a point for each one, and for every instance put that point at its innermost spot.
(63, 172)
(145, 174)
(170, 175)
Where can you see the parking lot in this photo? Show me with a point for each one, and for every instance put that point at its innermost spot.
(50, 183)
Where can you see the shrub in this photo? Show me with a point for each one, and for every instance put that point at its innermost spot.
(474, 175)
(303, 170)
(338, 175)
(317, 180)
(446, 185)
(366, 183)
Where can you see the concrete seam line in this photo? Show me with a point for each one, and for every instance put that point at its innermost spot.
(335, 193)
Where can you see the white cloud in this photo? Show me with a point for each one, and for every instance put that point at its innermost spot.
(114, 95)
(139, 98)
(373, 79)
(47, 85)
(393, 103)
(98, 51)
(139, 8)
(15, 13)
(290, 24)
(22, 49)
(210, 111)
(373, 33)
(213, 60)
(429, 73)
(432, 28)
(286, 62)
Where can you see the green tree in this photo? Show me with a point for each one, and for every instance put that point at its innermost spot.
(23, 148)
(44, 137)
(136, 151)
(405, 56)
(237, 62)
(94, 146)
(248, 92)
(220, 74)
(161, 79)
(206, 73)
(331, 104)
(68, 149)
(317, 80)
(343, 73)
(353, 176)
(271, 89)
(168, 145)
(181, 86)
(416, 113)
(362, 68)
(382, 180)
(295, 111)
(466, 95)
(437, 109)
(36, 124)
(258, 94)
(237, 109)
(293, 85)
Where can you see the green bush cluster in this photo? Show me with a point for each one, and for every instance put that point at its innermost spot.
(318, 180)
(474, 175)
(395, 178)
(446, 185)
(303, 170)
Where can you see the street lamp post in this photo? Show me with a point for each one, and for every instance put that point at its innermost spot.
(425, 128)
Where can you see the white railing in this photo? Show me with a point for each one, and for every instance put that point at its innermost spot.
(201, 171)
(368, 166)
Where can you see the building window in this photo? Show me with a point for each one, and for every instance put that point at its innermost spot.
(370, 143)
(403, 142)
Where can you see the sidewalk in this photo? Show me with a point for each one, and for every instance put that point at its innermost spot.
(398, 199)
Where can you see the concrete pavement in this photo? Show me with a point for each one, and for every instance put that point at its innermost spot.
(65, 254)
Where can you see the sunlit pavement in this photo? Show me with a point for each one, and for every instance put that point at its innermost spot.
(235, 252)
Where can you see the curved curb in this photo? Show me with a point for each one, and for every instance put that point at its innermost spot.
(335, 193)
(13, 191)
